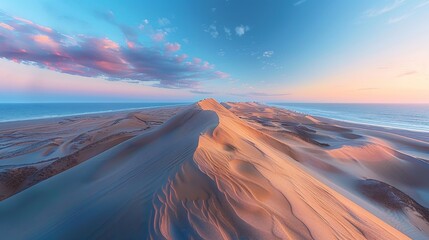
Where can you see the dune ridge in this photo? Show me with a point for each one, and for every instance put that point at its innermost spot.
(203, 174)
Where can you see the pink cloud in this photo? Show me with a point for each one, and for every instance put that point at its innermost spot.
(158, 37)
(206, 65)
(109, 44)
(181, 58)
(197, 60)
(24, 20)
(131, 44)
(82, 55)
(220, 74)
(111, 66)
(172, 47)
(45, 40)
(6, 26)
(39, 27)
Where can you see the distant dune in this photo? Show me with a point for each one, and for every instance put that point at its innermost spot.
(32, 151)
(215, 171)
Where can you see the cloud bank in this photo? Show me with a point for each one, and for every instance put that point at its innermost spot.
(26, 42)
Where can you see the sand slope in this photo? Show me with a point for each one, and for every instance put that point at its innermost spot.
(35, 150)
(204, 174)
(384, 170)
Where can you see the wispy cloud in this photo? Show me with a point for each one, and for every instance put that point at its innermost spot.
(26, 42)
(227, 32)
(407, 73)
(158, 36)
(260, 94)
(299, 2)
(263, 94)
(163, 21)
(245, 94)
(374, 12)
(409, 13)
(221, 52)
(172, 47)
(241, 30)
(181, 58)
(130, 33)
(367, 89)
(201, 92)
(212, 30)
(6, 26)
(422, 4)
(267, 54)
(220, 74)
(398, 19)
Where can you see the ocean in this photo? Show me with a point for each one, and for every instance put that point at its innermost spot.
(26, 111)
(414, 117)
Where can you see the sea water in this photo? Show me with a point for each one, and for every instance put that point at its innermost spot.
(25, 111)
(413, 117)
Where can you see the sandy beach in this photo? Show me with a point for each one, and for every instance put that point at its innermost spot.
(211, 171)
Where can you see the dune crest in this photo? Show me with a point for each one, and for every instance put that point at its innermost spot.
(203, 174)
(249, 186)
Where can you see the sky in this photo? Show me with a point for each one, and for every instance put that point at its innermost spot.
(372, 51)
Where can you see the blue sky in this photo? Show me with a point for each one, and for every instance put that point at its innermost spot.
(275, 50)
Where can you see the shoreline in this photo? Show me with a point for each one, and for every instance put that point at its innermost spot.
(386, 127)
(126, 110)
(47, 117)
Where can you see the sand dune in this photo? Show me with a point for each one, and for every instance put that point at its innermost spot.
(246, 171)
(35, 150)
(395, 162)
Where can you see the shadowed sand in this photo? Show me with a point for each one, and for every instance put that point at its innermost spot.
(207, 174)
(35, 150)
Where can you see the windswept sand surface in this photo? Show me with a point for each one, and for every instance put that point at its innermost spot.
(237, 171)
(34, 150)
(385, 171)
